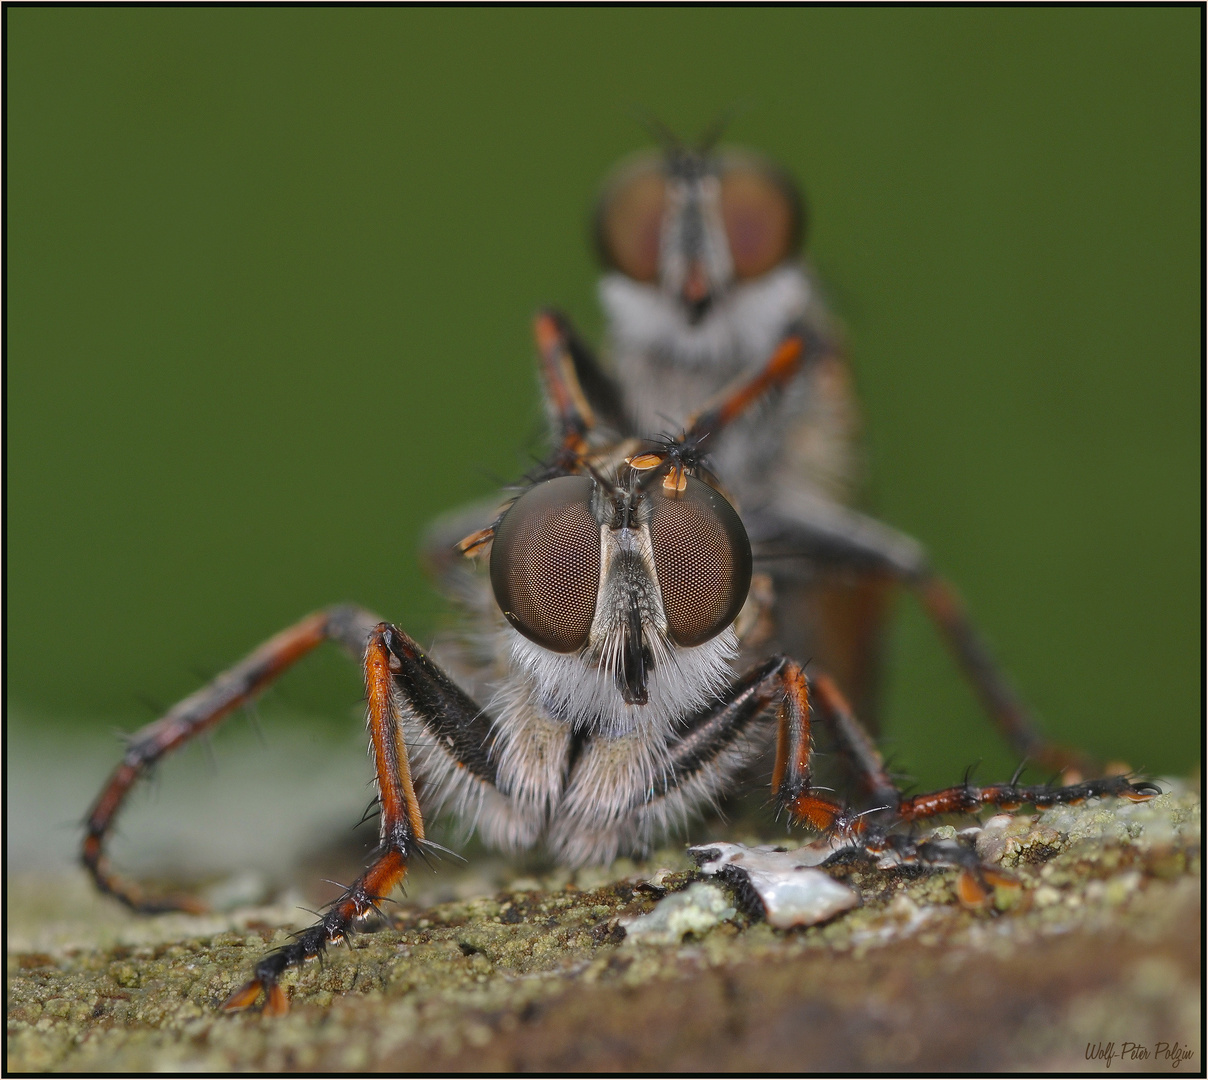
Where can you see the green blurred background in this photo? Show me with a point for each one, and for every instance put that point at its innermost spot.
(270, 275)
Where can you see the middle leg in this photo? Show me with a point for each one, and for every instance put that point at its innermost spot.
(793, 790)
(707, 754)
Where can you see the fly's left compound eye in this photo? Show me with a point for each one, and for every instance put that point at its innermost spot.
(763, 214)
(703, 559)
(629, 218)
(545, 563)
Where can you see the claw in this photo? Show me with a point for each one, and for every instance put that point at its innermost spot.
(245, 996)
(820, 814)
(971, 892)
(999, 880)
(277, 1003)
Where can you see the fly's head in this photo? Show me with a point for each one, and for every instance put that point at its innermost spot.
(693, 223)
(624, 594)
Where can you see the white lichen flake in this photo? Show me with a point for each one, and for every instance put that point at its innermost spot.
(791, 892)
(697, 909)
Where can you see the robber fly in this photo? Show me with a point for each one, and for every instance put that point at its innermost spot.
(703, 278)
(613, 707)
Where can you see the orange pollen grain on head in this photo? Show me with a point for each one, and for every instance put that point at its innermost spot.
(675, 480)
(642, 462)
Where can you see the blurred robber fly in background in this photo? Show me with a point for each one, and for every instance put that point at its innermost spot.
(703, 277)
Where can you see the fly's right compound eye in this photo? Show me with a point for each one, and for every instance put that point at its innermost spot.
(545, 563)
(763, 213)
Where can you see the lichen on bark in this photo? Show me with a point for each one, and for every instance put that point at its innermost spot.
(1099, 944)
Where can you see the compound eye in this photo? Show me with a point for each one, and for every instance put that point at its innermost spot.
(763, 215)
(629, 218)
(545, 563)
(703, 559)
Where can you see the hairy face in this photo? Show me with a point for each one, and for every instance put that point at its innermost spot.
(621, 578)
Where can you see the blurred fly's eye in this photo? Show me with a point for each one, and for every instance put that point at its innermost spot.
(763, 215)
(545, 563)
(703, 559)
(629, 218)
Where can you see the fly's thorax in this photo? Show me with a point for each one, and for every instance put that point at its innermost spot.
(650, 335)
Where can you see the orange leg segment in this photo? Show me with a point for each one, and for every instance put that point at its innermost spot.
(791, 771)
(572, 415)
(777, 373)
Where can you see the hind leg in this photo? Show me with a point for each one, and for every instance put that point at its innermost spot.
(200, 712)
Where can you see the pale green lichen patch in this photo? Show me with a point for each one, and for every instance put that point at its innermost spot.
(696, 910)
(1104, 925)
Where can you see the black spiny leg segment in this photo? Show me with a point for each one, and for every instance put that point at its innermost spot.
(396, 672)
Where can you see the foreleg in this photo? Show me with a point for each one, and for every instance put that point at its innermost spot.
(579, 392)
(781, 682)
(800, 347)
(579, 396)
(792, 787)
(203, 711)
(966, 798)
(974, 886)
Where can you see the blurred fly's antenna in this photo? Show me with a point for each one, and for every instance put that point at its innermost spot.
(712, 134)
(671, 143)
